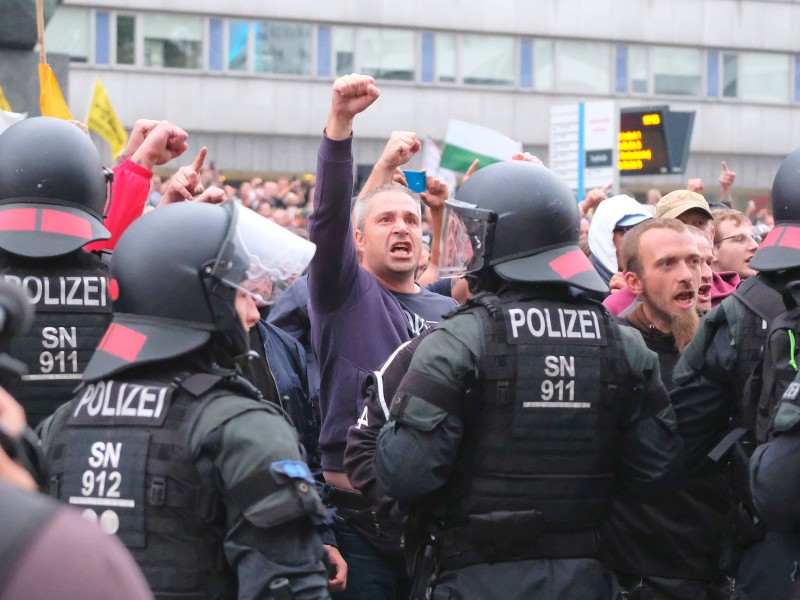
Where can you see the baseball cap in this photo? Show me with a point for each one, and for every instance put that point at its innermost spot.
(678, 202)
(631, 220)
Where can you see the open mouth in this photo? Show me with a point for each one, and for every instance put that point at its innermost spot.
(704, 293)
(401, 249)
(685, 300)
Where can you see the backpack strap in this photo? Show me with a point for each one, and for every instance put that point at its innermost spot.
(759, 297)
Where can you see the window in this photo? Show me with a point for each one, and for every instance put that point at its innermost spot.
(637, 70)
(126, 40)
(757, 77)
(68, 33)
(173, 41)
(584, 67)
(238, 34)
(677, 71)
(386, 53)
(543, 65)
(730, 75)
(283, 48)
(445, 58)
(344, 50)
(663, 70)
(487, 59)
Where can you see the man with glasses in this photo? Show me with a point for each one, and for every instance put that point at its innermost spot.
(734, 243)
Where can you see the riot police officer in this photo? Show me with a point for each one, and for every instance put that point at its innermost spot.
(165, 443)
(53, 192)
(521, 410)
(718, 386)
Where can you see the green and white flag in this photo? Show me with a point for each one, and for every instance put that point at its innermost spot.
(465, 142)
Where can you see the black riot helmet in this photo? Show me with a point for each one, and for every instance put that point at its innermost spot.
(517, 221)
(176, 272)
(53, 188)
(780, 250)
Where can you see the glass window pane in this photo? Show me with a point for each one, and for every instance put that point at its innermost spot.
(237, 45)
(487, 59)
(637, 68)
(283, 48)
(730, 75)
(677, 71)
(174, 41)
(764, 77)
(68, 33)
(446, 57)
(126, 40)
(344, 50)
(386, 53)
(543, 65)
(584, 67)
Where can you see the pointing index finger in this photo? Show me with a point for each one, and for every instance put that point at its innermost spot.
(197, 164)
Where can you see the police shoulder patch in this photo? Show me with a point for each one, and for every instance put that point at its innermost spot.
(292, 469)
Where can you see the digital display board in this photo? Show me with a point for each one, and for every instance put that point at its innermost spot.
(653, 140)
(642, 143)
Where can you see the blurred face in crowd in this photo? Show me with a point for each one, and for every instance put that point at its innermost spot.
(271, 189)
(734, 246)
(424, 261)
(281, 217)
(668, 283)
(250, 298)
(616, 238)
(696, 218)
(389, 239)
(247, 310)
(706, 251)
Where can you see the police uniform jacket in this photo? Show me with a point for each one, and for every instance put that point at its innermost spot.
(204, 485)
(419, 450)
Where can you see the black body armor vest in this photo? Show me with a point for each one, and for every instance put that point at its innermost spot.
(73, 309)
(121, 454)
(542, 422)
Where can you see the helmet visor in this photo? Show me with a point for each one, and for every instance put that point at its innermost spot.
(465, 233)
(259, 257)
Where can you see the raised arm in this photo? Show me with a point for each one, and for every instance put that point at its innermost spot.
(333, 272)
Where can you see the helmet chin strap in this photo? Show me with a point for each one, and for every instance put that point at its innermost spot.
(485, 280)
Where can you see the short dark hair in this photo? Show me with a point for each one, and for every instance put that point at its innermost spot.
(630, 243)
(360, 205)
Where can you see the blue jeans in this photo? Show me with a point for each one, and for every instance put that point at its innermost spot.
(370, 576)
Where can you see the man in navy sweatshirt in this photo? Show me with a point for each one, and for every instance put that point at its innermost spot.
(361, 312)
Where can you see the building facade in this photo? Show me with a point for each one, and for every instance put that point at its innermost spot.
(251, 79)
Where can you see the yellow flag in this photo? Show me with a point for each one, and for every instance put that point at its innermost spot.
(4, 105)
(104, 121)
(51, 100)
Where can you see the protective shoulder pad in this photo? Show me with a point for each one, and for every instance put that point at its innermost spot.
(485, 300)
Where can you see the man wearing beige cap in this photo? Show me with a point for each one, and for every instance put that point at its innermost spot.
(687, 206)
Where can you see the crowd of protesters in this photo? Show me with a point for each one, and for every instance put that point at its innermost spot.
(332, 351)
